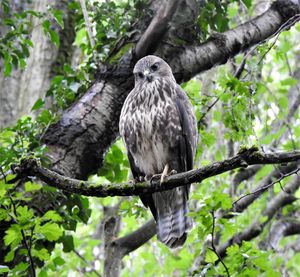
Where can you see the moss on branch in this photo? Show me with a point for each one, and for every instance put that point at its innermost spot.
(251, 156)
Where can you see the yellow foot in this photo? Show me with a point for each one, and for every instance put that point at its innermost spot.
(164, 174)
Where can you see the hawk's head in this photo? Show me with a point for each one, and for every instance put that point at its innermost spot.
(151, 68)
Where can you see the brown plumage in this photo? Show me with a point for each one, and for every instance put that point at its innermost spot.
(159, 129)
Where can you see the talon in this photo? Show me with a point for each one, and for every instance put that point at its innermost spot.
(173, 171)
(154, 177)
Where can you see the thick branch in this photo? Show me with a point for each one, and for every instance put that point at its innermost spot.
(282, 229)
(221, 47)
(243, 159)
(137, 238)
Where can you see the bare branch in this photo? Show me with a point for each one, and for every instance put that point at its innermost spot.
(243, 159)
(137, 238)
(87, 22)
(157, 28)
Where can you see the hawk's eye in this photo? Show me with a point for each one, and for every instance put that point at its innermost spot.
(154, 67)
(141, 75)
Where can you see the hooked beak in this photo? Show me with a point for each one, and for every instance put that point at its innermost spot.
(148, 75)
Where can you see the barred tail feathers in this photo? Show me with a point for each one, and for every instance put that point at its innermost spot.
(171, 216)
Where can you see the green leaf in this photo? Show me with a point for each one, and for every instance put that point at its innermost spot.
(9, 256)
(51, 231)
(20, 267)
(289, 82)
(210, 257)
(24, 214)
(38, 104)
(59, 261)
(68, 243)
(81, 37)
(58, 15)
(29, 186)
(54, 37)
(53, 216)
(42, 254)
(46, 25)
(7, 68)
(3, 215)
(247, 3)
(13, 235)
(43, 273)
(4, 268)
(44, 117)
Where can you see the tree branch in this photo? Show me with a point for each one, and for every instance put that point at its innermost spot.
(221, 47)
(279, 174)
(137, 238)
(280, 200)
(157, 29)
(243, 159)
(87, 22)
(282, 229)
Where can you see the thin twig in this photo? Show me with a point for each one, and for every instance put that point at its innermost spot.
(239, 71)
(258, 191)
(213, 243)
(3, 175)
(282, 28)
(24, 241)
(87, 22)
(83, 258)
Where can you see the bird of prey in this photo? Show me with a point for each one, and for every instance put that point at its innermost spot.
(159, 129)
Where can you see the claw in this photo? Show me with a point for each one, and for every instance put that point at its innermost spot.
(155, 176)
(163, 175)
(172, 172)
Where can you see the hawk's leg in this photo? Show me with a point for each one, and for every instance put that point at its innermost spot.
(164, 173)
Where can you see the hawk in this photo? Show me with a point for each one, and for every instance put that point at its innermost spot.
(159, 129)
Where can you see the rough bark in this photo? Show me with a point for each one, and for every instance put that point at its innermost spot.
(243, 159)
(19, 91)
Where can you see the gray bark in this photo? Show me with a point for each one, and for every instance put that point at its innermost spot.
(22, 88)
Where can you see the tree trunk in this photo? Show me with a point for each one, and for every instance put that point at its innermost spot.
(22, 88)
